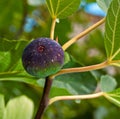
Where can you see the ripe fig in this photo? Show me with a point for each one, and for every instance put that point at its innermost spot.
(43, 57)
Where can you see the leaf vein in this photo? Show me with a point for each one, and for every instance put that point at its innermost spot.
(52, 7)
(107, 37)
(108, 22)
(57, 7)
(115, 54)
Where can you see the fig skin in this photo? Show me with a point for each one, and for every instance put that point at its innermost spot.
(43, 57)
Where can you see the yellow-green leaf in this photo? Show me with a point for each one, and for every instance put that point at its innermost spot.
(112, 32)
(62, 8)
(19, 108)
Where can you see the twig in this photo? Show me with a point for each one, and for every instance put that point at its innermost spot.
(81, 69)
(75, 97)
(74, 39)
(45, 98)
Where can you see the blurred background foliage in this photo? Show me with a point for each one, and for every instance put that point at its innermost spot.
(29, 19)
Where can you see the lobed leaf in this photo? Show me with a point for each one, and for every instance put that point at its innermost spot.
(62, 8)
(112, 32)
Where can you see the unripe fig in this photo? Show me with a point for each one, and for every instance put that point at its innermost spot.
(43, 57)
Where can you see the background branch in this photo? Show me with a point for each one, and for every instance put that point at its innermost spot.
(74, 39)
(75, 97)
(82, 69)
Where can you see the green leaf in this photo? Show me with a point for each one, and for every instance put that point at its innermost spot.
(19, 108)
(62, 8)
(10, 53)
(112, 32)
(20, 77)
(107, 83)
(54, 91)
(67, 58)
(2, 106)
(114, 96)
(104, 4)
(7, 45)
(76, 83)
(9, 12)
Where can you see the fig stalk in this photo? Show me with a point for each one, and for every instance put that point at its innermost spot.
(45, 98)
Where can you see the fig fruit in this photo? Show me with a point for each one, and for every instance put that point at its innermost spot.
(43, 57)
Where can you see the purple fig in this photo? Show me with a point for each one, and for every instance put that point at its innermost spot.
(43, 57)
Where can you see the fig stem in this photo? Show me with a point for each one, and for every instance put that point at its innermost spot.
(53, 28)
(82, 69)
(45, 98)
(74, 39)
(75, 97)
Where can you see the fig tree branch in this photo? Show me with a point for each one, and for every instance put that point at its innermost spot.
(45, 98)
(74, 39)
(75, 97)
(82, 69)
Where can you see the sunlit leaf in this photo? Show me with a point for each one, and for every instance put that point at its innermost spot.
(62, 8)
(2, 106)
(104, 4)
(112, 32)
(19, 108)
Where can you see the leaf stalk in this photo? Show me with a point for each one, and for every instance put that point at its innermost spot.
(53, 28)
